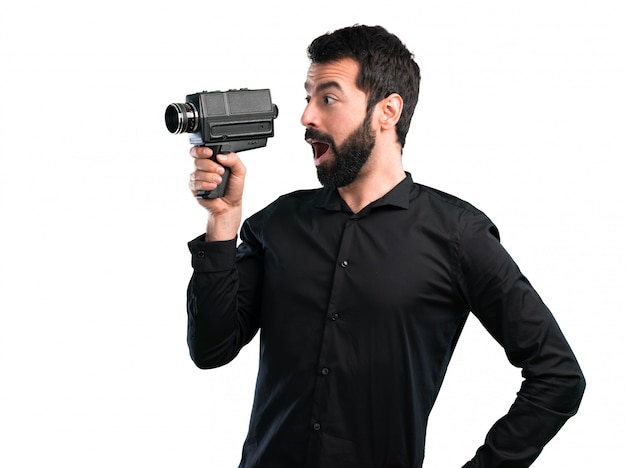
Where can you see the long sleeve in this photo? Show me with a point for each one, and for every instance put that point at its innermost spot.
(218, 323)
(513, 313)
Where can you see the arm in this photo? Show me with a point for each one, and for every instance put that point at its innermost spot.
(218, 327)
(513, 313)
(220, 318)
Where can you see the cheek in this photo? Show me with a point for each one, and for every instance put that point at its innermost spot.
(341, 129)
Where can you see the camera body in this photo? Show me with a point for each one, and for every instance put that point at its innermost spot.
(226, 121)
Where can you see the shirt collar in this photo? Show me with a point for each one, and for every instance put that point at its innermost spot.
(398, 196)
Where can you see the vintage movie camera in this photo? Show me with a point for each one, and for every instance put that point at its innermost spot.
(226, 121)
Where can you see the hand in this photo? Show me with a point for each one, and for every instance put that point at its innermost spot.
(225, 212)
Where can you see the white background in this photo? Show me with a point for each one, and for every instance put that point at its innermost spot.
(521, 112)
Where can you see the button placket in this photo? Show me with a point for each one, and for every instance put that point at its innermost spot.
(326, 355)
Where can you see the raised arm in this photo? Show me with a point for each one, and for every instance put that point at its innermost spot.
(217, 324)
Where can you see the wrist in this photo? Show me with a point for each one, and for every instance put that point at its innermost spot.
(223, 227)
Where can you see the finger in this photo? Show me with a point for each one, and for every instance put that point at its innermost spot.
(208, 165)
(230, 160)
(199, 180)
(201, 152)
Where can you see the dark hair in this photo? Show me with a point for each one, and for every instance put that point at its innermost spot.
(386, 66)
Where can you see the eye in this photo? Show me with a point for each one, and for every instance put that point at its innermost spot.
(328, 100)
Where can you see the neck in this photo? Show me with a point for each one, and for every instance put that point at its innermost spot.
(376, 179)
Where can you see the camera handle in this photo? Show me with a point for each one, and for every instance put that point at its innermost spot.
(218, 192)
(226, 147)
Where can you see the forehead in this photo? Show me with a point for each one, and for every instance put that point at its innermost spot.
(339, 74)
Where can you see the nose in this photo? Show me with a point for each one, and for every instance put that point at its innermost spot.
(309, 116)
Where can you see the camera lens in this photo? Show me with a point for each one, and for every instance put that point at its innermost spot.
(181, 118)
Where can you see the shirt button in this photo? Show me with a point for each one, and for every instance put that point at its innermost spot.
(325, 370)
(317, 426)
(200, 253)
(334, 317)
(344, 264)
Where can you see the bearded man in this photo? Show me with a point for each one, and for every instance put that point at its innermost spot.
(361, 288)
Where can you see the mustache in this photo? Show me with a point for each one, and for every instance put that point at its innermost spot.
(314, 134)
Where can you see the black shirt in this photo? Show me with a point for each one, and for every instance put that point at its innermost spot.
(359, 315)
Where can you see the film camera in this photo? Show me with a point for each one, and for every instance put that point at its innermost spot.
(226, 121)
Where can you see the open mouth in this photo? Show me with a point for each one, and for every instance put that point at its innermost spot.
(320, 149)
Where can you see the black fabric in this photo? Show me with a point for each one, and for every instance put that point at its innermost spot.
(359, 315)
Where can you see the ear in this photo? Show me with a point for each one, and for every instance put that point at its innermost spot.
(391, 109)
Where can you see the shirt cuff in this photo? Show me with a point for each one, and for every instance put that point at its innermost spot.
(215, 256)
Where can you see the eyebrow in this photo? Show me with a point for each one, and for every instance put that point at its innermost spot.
(323, 86)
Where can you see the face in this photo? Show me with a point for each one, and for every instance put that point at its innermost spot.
(338, 126)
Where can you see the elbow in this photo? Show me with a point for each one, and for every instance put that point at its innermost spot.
(209, 357)
(199, 361)
(579, 385)
(201, 358)
(573, 385)
(570, 390)
(558, 391)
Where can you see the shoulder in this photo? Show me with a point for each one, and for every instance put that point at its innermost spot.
(449, 213)
(445, 201)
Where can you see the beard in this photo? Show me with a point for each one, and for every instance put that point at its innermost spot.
(350, 156)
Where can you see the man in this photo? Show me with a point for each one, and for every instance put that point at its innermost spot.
(360, 289)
